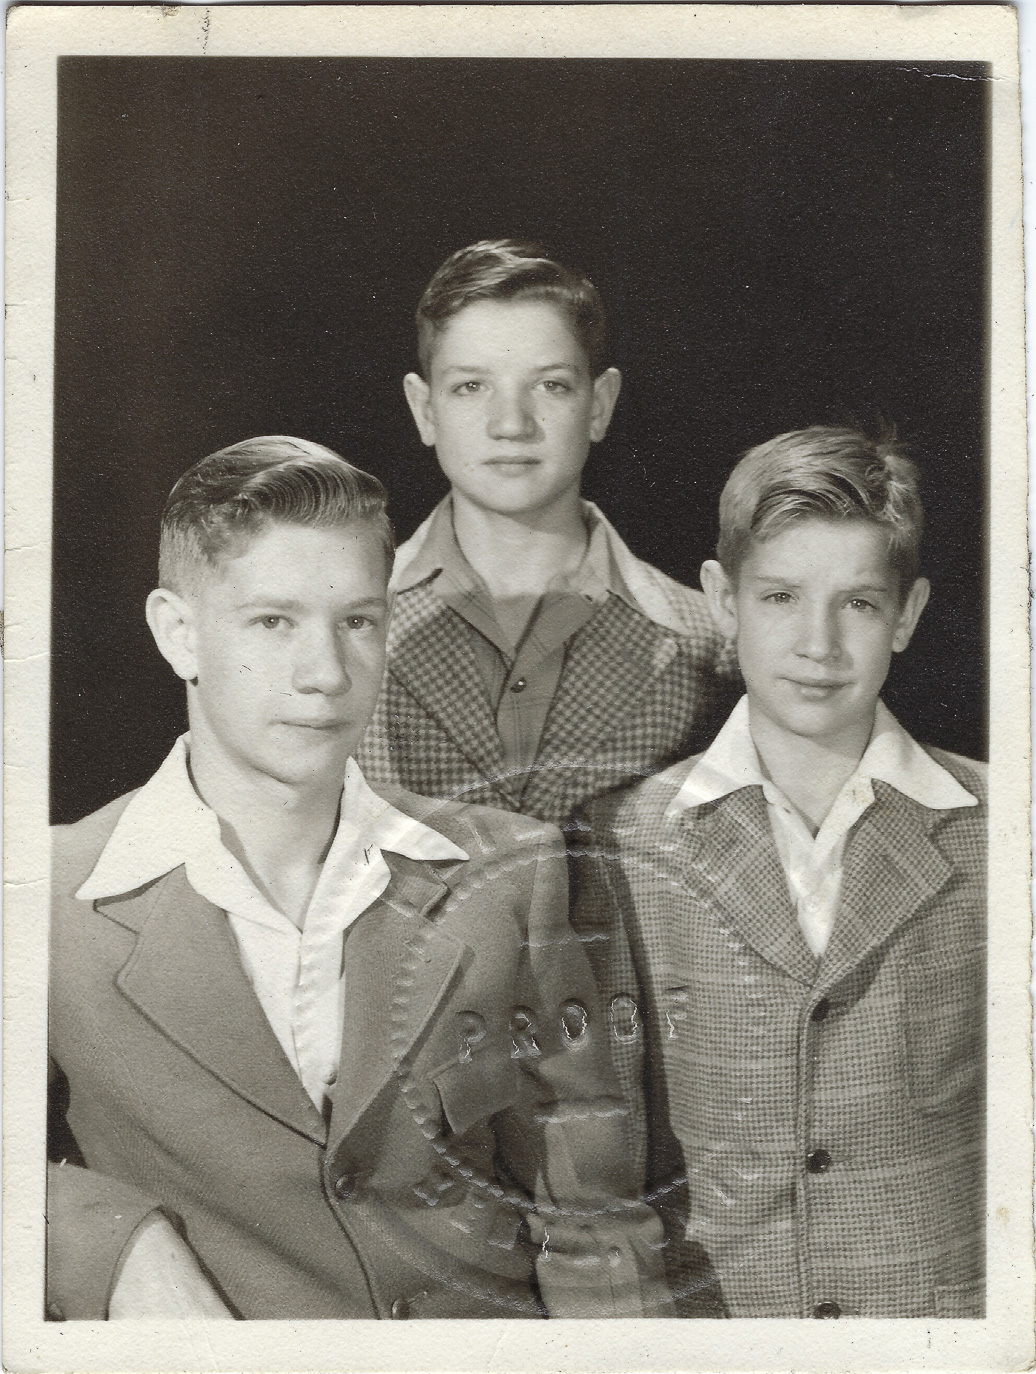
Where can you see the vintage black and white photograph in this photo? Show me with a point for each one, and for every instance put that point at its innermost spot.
(525, 554)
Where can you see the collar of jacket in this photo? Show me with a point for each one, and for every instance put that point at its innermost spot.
(609, 667)
(726, 853)
(644, 587)
(185, 976)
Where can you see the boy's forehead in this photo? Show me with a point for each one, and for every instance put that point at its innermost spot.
(810, 544)
(286, 553)
(485, 325)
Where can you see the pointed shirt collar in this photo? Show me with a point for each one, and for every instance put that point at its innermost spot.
(731, 762)
(434, 548)
(167, 825)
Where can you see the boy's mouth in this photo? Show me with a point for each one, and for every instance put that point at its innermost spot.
(325, 725)
(816, 690)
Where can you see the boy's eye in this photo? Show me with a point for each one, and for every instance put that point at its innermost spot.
(357, 622)
(860, 603)
(779, 598)
(556, 386)
(272, 622)
(467, 388)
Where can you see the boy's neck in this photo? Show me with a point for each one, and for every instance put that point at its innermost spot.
(518, 555)
(280, 833)
(810, 772)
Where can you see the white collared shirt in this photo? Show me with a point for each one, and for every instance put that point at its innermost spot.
(813, 865)
(297, 975)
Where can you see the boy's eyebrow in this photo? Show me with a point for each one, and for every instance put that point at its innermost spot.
(842, 591)
(277, 603)
(478, 368)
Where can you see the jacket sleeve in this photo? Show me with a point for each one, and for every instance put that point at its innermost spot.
(598, 1243)
(91, 1220)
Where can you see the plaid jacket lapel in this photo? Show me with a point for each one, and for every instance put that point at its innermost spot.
(891, 867)
(731, 859)
(430, 654)
(608, 669)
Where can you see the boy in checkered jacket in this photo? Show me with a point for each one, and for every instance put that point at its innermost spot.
(791, 927)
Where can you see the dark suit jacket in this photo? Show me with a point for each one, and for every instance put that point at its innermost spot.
(474, 1122)
(816, 1125)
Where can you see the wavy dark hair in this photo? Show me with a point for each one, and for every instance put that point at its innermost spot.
(508, 270)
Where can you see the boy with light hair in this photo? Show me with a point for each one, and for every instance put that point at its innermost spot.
(797, 919)
(321, 1050)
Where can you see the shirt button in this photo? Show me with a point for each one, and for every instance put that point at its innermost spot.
(518, 685)
(345, 1186)
(820, 1011)
(817, 1161)
(827, 1309)
(400, 1310)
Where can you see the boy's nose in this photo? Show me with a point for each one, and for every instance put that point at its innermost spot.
(512, 416)
(320, 666)
(819, 636)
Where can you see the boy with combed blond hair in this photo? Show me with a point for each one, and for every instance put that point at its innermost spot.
(791, 927)
(320, 1050)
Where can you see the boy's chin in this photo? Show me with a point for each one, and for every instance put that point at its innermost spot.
(826, 721)
(315, 766)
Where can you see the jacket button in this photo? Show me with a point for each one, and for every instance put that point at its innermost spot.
(400, 1310)
(345, 1186)
(519, 684)
(820, 1011)
(817, 1161)
(827, 1309)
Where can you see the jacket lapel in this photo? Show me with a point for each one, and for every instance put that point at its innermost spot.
(185, 976)
(891, 867)
(609, 667)
(399, 964)
(730, 858)
(430, 654)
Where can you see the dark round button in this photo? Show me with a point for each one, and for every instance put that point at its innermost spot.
(820, 1011)
(345, 1186)
(400, 1310)
(519, 685)
(827, 1309)
(817, 1161)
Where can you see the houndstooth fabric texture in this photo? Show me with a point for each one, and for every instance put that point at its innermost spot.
(816, 1126)
(632, 698)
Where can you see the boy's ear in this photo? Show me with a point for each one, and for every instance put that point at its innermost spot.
(606, 393)
(171, 621)
(915, 602)
(417, 398)
(719, 594)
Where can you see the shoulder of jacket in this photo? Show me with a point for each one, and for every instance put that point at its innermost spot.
(641, 804)
(76, 848)
(477, 829)
(673, 605)
(970, 773)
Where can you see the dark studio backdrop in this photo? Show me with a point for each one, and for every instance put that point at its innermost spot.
(241, 243)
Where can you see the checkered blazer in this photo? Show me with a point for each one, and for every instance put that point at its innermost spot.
(634, 696)
(816, 1126)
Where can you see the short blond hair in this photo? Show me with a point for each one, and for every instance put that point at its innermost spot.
(236, 492)
(826, 473)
